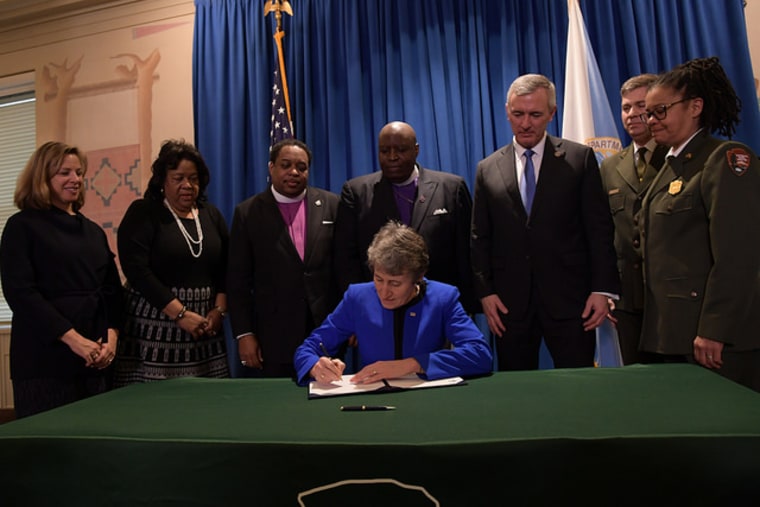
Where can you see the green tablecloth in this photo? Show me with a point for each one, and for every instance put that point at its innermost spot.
(665, 434)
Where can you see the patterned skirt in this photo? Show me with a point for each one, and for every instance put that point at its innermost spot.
(152, 346)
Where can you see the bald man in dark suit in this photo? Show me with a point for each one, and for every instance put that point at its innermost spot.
(435, 204)
(542, 238)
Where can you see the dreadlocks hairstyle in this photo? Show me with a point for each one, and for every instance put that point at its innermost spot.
(706, 79)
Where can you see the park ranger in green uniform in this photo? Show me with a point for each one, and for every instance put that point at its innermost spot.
(699, 223)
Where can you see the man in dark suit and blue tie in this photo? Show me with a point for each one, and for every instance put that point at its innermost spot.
(542, 238)
(437, 205)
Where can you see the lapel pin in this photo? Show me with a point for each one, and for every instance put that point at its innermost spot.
(559, 154)
(422, 198)
(318, 202)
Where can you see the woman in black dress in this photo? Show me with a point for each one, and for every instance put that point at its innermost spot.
(173, 252)
(60, 280)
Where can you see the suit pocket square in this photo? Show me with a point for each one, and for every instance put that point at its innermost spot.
(327, 222)
(441, 211)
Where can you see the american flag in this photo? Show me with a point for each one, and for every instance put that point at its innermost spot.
(281, 127)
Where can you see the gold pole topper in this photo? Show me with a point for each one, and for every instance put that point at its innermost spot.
(278, 7)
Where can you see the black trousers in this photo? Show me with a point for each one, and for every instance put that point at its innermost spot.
(569, 345)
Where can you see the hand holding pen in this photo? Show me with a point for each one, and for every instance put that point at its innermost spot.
(327, 369)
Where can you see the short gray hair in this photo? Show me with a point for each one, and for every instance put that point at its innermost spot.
(529, 83)
(398, 249)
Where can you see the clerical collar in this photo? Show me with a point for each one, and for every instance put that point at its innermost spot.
(285, 199)
(412, 177)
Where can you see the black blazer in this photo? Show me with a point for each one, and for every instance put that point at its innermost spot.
(271, 292)
(565, 248)
(441, 215)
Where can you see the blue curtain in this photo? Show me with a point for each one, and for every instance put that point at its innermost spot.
(444, 66)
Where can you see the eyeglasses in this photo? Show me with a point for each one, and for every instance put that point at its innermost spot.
(661, 112)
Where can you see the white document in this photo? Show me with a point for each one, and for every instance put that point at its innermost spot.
(344, 386)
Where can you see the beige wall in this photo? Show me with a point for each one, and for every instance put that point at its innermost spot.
(115, 80)
(107, 48)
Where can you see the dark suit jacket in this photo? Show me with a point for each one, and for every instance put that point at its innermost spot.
(270, 290)
(565, 248)
(441, 215)
(702, 251)
(625, 193)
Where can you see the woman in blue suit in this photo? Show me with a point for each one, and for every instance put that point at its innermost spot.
(403, 322)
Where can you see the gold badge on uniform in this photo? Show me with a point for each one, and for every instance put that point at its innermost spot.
(738, 161)
(675, 187)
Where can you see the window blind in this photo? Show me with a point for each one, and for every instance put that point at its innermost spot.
(17, 143)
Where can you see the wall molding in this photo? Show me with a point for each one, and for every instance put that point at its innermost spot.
(48, 23)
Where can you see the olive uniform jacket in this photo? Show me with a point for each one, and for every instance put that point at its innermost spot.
(699, 223)
(625, 193)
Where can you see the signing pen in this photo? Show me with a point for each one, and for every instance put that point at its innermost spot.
(365, 408)
(324, 350)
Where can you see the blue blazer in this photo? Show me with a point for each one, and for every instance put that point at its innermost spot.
(428, 325)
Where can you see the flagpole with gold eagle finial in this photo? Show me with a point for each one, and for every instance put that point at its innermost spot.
(278, 7)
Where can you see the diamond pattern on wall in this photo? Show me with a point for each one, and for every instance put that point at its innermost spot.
(106, 181)
(111, 187)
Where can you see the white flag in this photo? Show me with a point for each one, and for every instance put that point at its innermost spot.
(587, 117)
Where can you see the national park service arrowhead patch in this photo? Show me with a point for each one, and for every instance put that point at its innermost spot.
(738, 160)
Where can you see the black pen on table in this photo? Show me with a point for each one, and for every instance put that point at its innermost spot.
(365, 408)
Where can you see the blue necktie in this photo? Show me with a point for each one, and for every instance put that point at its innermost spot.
(530, 180)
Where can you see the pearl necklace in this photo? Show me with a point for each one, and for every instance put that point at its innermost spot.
(189, 239)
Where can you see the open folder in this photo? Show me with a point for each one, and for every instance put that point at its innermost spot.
(344, 387)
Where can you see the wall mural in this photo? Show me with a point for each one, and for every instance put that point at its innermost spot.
(116, 174)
